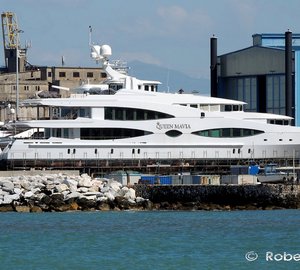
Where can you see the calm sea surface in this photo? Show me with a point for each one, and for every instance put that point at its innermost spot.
(151, 240)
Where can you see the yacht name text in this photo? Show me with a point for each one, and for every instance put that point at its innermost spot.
(172, 126)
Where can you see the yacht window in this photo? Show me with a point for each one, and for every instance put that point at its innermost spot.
(228, 132)
(119, 113)
(214, 108)
(96, 151)
(146, 88)
(111, 133)
(173, 133)
(194, 105)
(204, 108)
(235, 107)
(228, 108)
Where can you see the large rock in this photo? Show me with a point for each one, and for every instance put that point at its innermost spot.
(85, 181)
(7, 199)
(22, 208)
(25, 184)
(72, 195)
(71, 183)
(8, 186)
(61, 187)
(130, 194)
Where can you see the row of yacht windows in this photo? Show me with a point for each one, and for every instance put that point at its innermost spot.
(215, 107)
(119, 113)
(121, 133)
(110, 133)
(228, 132)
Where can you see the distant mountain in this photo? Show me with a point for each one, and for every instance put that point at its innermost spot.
(177, 80)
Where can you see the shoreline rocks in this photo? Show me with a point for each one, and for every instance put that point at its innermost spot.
(59, 192)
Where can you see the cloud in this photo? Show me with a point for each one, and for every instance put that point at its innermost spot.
(180, 21)
(245, 12)
(142, 57)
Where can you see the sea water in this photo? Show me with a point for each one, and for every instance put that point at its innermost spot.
(151, 240)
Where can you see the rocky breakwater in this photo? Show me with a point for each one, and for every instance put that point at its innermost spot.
(58, 192)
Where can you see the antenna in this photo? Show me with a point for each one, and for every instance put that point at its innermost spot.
(168, 77)
(90, 35)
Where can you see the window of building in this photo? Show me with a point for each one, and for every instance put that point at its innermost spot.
(243, 89)
(76, 74)
(275, 94)
(62, 74)
(49, 74)
(103, 75)
(90, 74)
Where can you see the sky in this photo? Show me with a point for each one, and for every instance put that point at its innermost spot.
(173, 34)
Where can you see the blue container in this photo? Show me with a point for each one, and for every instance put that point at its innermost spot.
(196, 179)
(165, 180)
(253, 170)
(148, 179)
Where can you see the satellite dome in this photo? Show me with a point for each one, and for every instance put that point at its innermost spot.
(105, 50)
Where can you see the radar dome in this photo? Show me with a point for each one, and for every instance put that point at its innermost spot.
(105, 50)
(97, 49)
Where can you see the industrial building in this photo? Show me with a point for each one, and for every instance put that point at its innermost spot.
(266, 75)
(21, 80)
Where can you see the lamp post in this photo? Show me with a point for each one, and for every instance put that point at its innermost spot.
(17, 31)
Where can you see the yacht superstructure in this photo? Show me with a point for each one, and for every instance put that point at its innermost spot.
(129, 120)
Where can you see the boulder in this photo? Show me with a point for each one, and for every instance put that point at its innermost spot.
(72, 184)
(130, 194)
(17, 190)
(28, 194)
(73, 195)
(83, 189)
(7, 199)
(109, 196)
(36, 209)
(8, 186)
(22, 208)
(6, 208)
(61, 187)
(103, 206)
(85, 181)
(25, 184)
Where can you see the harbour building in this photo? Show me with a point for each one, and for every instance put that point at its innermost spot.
(265, 75)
